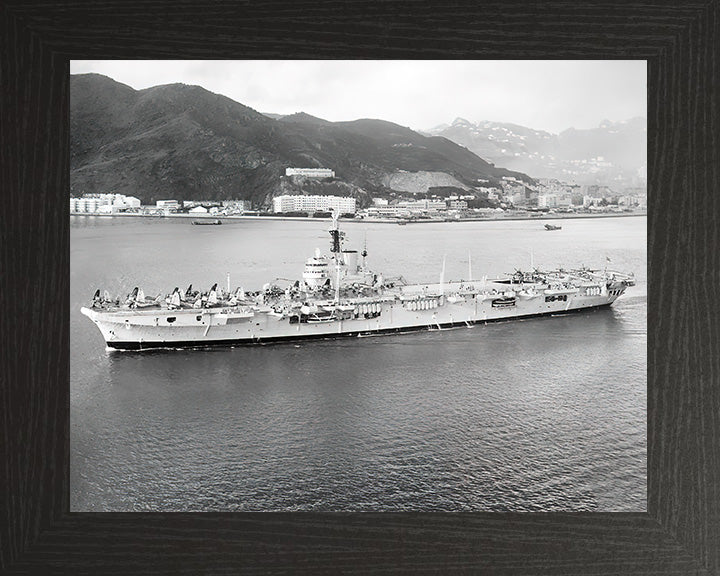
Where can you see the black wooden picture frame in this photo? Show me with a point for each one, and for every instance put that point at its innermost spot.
(680, 533)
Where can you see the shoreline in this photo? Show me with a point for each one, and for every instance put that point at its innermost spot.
(509, 218)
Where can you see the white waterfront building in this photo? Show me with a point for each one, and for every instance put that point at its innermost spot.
(417, 206)
(412, 207)
(167, 204)
(102, 203)
(547, 201)
(301, 203)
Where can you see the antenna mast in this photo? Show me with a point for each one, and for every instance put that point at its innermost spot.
(335, 239)
(335, 236)
(442, 277)
(364, 252)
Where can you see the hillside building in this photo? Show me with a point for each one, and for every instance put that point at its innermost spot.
(517, 198)
(310, 172)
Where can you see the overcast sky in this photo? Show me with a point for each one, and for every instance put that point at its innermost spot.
(419, 94)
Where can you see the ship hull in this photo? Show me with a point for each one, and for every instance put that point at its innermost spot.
(162, 328)
(267, 339)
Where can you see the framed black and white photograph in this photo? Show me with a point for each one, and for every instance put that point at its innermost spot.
(489, 354)
(418, 305)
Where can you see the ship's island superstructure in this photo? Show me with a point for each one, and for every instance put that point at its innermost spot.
(339, 296)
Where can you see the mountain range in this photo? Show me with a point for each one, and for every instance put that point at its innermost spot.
(613, 154)
(183, 142)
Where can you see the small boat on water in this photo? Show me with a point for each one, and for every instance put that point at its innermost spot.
(552, 227)
(215, 222)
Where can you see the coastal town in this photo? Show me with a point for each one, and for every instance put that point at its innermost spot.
(511, 198)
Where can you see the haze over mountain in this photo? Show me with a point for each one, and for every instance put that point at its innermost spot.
(614, 153)
(184, 142)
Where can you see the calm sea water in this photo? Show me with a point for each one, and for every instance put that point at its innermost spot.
(541, 414)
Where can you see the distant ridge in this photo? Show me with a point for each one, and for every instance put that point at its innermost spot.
(614, 153)
(187, 143)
